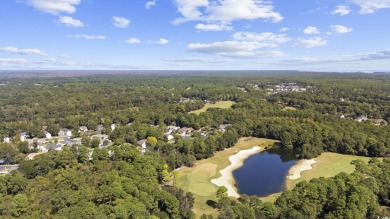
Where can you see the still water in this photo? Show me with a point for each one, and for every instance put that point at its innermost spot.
(264, 173)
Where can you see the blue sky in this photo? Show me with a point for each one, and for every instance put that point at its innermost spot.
(322, 35)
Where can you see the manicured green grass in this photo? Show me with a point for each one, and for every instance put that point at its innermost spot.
(198, 178)
(289, 108)
(221, 104)
(327, 165)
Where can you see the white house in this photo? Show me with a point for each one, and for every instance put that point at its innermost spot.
(362, 118)
(169, 136)
(23, 136)
(66, 132)
(6, 140)
(47, 134)
(142, 143)
(113, 127)
(46, 149)
(185, 130)
(83, 129)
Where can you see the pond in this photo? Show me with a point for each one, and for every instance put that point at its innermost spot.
(265, 173)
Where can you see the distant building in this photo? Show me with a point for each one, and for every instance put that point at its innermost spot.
(361, 118)
(70, 142)
(46, 149)
(99, 128)
(6, 140)
(185, 130)
(66, 132)
(113, 127)
(169, 136)
(379, 122)
(223, 127)
(47, 134)
(83, 129)
(142, 143)
(23, 136)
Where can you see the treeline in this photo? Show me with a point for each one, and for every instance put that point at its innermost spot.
(362, 194)
(32, 105)
(117, 184)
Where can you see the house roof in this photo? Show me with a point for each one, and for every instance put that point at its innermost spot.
(52, 146)
(141, 141)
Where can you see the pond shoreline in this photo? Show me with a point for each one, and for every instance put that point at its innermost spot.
(237, 160)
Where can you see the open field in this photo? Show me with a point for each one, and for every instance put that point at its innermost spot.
(289, 108)
(221, 104)
(198, 178)
(327, 165)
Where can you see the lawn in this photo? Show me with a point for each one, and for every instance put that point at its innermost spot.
(197, 179)
(220, 104)
(327, 165)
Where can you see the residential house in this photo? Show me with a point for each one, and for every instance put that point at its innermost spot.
(361, 118)
(171, 129)
(66, 132)
(83, 129)
(379, 122)
(185, 131)
(23, 136)
(46, 149)
(70, 142)
(142, 143)
(113, 127)
(342, 116)
(102, 138)
(6, 140)
(47, 134)
(99, 128)
(223, 127)
(169, 136)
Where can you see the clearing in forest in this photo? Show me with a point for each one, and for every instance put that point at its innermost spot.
(197, 179)
(220, 104)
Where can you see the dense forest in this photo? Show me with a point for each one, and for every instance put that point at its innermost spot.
(308, 113)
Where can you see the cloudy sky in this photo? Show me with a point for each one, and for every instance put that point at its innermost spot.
(322, 35)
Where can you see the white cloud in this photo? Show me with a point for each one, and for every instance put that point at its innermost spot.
(311, 30)
(311, 42)
(266, 39)
(224, 12)
(238, 49)
(213, 27)
(184, 60)
(340, 29)
(8, 60)
(87, 37)
(243, 45)
(381, 55)
(284, 29)
(341, 10)
(371, 6)
(120, 22)
(150, 4)
(55, 6)
(133, 40)
(162, 41)
(13, 50)
(70, 22)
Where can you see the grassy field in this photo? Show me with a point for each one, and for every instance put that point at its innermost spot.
(327, 165)
(289, 108)
(221, 104)
(197, 179)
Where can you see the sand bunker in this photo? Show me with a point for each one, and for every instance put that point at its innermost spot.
(227, 178)
(295, 171)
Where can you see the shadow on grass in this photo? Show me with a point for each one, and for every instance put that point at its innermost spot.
(212, 203)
